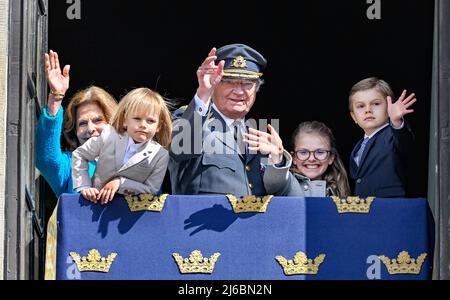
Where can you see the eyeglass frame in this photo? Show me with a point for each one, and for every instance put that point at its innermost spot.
(314, 154)
(233, 82)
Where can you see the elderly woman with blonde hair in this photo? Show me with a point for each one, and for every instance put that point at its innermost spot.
(87, 113)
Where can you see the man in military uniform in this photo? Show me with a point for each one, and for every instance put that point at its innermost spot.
(207, 152)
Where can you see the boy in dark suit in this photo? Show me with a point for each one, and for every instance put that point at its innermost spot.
(379, 160)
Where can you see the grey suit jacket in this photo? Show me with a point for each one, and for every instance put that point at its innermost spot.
(204, 160)
(143, 173)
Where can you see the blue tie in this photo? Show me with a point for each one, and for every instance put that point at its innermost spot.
(361, 151)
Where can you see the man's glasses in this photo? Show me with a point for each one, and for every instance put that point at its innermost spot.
(246, 85)
(319, 154)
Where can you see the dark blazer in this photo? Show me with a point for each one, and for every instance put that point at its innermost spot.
(382, 170)
(204, 160)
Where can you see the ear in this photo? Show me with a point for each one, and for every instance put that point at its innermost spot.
(124, 123)
(158, 128)
(294, 159)
(352, 114)
(331, 161)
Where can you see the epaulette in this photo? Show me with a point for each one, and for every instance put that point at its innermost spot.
(180, 111)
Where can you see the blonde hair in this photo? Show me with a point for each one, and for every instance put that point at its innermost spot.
(144, 99)
(90, 95)
(379, 85)
(335, 175)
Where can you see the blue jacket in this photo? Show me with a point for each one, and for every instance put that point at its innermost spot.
(54, 165)
(210, 164)
(382, 170)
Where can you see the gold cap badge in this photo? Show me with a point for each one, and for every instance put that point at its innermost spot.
(240, 62)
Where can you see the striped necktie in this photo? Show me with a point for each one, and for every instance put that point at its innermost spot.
(361, 151)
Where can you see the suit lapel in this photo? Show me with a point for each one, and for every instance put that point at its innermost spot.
(149, 149)
(225, 136)
(352, 165)
(369, 146)
(121, 146)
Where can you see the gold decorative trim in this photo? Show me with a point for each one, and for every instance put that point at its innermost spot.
(243, 72)
(196, 263)
(94, 262)
(51, 246)
(249, 203)
(404, 264)
(240, 75)
(353, 204)
(301, 265)
(146, 202)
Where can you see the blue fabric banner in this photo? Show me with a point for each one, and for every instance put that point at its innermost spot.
(248, 242)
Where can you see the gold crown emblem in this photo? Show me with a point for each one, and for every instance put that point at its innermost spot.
(249, 203)
(196, 263)
(353, 204)
(94, 262)
(301, 265)
(146, 202)
(404, 264)
(240, 62)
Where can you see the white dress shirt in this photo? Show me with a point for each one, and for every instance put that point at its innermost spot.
(132, 149)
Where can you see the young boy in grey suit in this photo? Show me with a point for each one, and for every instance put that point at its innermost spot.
(131, 153)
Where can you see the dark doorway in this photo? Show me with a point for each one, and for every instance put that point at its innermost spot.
(316, 51)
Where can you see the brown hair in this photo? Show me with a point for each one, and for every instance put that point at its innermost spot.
(90, 95)
(144, 99)
(335, 175)
(370, 83)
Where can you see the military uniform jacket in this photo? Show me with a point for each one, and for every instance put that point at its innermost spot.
(382, 168)
(204, 160)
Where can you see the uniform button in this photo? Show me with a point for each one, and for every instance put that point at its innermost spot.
(359, 180)
(250, 185)
(145, 154)
(200, 109)
(247, 168)
(305, 187)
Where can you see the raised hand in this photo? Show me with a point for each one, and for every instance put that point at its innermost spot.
(266, 143)
(209, 75)
(397, 110)
(108, 191)
(57, 80)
